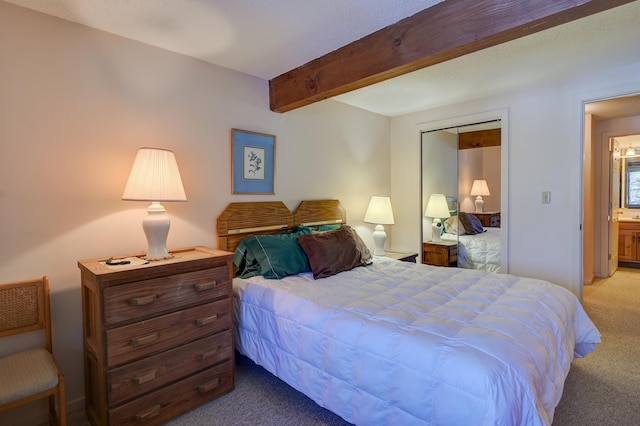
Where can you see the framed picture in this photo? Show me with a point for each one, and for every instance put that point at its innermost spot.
(253, 158)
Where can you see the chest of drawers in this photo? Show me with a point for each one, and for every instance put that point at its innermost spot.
(157, 336)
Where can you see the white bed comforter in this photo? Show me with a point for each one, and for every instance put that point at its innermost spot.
(480, 251)
(397, 343)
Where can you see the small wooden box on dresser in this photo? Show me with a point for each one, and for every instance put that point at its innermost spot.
(158, 337)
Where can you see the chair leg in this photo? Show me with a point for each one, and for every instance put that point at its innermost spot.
(59, 417)
(62, 402)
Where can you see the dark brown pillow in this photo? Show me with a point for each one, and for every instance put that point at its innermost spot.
(471, 223)
(334, 251)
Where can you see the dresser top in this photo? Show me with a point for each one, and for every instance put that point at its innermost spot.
(99, 266)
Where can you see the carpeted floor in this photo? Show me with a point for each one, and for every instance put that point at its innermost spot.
(602, 389)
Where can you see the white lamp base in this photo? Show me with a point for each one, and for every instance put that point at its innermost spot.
(379, 238)
(156, 228)
(479, 204)
(436, 230)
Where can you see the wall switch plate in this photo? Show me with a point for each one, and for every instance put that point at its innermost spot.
(546, 197)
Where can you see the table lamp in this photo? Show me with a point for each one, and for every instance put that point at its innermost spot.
(479, 188)
(437, 207)
(380, 213)
(155, 177)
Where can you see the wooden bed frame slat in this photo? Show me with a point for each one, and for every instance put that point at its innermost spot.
(240, 220)
(319, 212)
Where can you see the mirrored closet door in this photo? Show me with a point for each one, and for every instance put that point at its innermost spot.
(461, 196)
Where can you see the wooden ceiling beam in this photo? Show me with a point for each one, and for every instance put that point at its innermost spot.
(480, 139)
(448, 30)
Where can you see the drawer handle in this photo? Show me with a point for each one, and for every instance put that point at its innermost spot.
(205, 355)
(209, 386)
(142, 300)
(206, 286)
(143, 340)
(138, 380)
(204, 321)
(151, 412)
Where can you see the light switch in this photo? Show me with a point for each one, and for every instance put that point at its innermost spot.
(546, 197)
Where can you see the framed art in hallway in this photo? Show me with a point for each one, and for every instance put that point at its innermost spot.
(252, 162)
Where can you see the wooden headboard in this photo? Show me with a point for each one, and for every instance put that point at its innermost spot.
(241, 220)
(319, 212)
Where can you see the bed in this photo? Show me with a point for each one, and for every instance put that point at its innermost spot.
(478, 250)
(393, 342)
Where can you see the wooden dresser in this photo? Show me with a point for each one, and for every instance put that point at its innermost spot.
(489, 219)
(157, 336)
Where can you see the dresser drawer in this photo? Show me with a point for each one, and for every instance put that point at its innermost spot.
(145, 375)
(129, 302)
(143, 338)
(156, 407)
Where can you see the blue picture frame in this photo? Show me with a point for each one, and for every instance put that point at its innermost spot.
(253, 158)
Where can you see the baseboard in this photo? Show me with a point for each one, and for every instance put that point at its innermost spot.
(589, 280)
(36, 413)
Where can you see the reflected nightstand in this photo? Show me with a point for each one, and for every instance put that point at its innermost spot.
(443, 253)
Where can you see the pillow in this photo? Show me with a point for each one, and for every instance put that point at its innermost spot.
(471, 223)
(336, 251)
(332, 227)
(272, 256)
(454, 226)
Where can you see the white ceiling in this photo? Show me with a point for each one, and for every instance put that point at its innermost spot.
(267, 38)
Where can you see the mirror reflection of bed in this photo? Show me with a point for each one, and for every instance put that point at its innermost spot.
(452, 160)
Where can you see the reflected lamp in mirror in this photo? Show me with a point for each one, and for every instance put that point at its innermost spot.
(437, 208)
(480, 189)
(155, 177)
(380, 213)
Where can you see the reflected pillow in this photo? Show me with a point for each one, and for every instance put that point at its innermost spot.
(334, 251)
(453, 226)
(471, 223)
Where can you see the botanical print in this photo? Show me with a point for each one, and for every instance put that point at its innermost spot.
(253, 163)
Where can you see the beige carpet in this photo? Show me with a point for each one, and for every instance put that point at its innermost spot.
(604, 387)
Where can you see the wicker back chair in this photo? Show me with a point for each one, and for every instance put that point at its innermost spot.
(31, 374)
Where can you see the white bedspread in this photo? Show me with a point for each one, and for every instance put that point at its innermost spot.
(397, 343)
(480, 251)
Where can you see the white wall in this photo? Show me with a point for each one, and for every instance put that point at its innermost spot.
(544, 153)
(77, 103)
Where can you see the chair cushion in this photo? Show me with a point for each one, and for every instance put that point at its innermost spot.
(26, 373)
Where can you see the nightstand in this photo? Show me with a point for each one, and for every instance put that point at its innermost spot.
(444, 253)
(158, 337)
(404, 256)
(489, 219)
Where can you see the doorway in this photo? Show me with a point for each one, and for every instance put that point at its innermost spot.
(605, 121)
